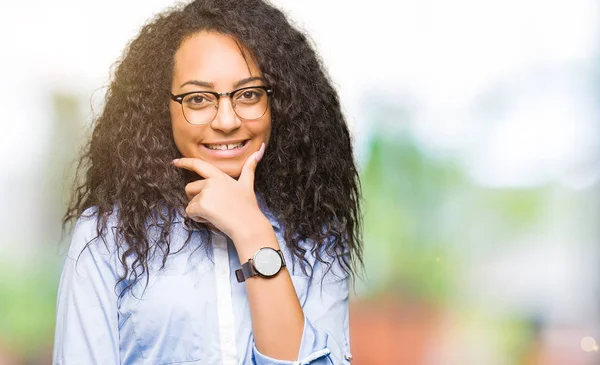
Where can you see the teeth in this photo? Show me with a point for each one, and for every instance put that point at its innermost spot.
(224, 146)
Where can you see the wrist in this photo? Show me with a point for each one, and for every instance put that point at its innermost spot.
(253, 236)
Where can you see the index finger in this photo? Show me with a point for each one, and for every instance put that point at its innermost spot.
(200, 167)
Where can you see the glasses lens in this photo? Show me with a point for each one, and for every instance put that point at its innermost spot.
(251, 103)
(199, 108)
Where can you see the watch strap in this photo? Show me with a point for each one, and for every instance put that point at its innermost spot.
(239, 275)
(282, 258)
(247, 271)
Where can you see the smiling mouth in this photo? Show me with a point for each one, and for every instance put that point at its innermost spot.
(225, 147)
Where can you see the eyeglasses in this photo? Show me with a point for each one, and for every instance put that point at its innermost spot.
(200, 107)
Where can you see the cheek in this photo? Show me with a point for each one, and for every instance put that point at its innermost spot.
(264, 129)
(175, 125)
(182, 135)
(266, 132)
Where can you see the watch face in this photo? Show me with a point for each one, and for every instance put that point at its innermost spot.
(267, 262)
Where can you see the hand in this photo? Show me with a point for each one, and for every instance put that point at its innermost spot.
(228, 204)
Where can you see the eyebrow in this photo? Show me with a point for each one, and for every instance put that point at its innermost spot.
(210, 85)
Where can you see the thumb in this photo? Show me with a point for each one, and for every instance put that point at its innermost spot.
(247, 174)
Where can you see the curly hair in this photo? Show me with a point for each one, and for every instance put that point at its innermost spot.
(308, 176)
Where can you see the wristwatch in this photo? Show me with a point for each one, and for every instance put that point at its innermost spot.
(267, 262)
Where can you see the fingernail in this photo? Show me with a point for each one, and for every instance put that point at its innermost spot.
(175, 161)
(260, 153)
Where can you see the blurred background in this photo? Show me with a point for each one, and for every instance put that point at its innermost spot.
(477, 135)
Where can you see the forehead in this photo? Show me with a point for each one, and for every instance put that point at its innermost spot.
(212, 57)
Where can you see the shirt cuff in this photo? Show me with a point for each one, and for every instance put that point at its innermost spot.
(312, 347)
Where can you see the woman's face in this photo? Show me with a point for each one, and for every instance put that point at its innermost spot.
(210, 61)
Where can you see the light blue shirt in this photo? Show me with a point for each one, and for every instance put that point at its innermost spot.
(193, 311)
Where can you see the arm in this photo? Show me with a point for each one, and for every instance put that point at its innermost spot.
(313, 332)
(277, 317)
(86, 313)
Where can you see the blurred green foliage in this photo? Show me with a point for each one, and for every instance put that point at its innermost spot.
(425, 220)
(28, 285)
(27, 304)
(405, 232)
(423, 216)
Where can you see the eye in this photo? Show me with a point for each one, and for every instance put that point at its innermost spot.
(250, 96)
(198, 100)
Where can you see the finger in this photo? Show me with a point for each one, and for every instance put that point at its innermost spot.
(194, 188)
(199, 220)
(207, 223)
(247, 174)
(192, 211)
(200, 167)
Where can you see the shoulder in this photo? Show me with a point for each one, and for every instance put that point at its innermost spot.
(90, 234)
(92, 255)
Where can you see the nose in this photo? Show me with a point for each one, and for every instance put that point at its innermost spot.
(226, 120)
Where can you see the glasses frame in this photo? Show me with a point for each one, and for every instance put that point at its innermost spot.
(179, 99)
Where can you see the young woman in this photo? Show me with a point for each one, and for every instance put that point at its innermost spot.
(217, 209)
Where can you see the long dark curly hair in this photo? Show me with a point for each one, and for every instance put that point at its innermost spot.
(308, 176)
